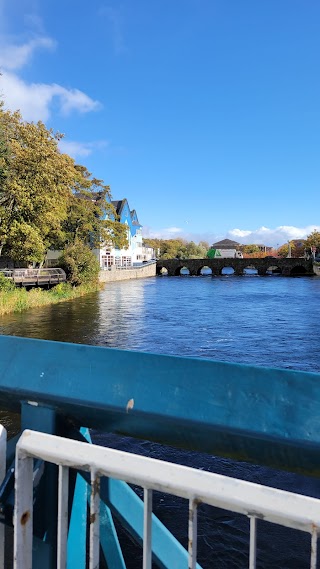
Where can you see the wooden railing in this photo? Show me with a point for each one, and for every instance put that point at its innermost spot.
(35, 277)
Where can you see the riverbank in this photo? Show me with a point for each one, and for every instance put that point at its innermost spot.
(316, 269)
(20, 299)
(115, 274)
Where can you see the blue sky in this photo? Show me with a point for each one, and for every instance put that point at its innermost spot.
(204, 114)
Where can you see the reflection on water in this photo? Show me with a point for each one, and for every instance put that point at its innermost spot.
(122, 313)
(272, 321)
(11, 422)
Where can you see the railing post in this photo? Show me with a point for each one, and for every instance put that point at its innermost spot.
(23, 511)
(147, 529)
(3, 452)
(94, 521)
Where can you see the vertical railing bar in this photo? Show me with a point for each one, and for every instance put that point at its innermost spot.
(94, 521)
(23, 512)
(253, 543)
(3, 453)
(314, 544)
(147, 529)
(62, 531)
(192, 534)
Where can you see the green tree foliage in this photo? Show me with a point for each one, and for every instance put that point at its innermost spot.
(250, 249)
(297, 249)
(80, 264)
(6, 285)
(46, 200)
(26, 243)
(3, 156)
(35, 193)
(91, 216)
(178, 248)
(283, 250)
(313, 240)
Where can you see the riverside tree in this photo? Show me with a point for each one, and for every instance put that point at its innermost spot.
(36, 189)
(313, 240)
(178, 248)
(46, 201)
(91, 216)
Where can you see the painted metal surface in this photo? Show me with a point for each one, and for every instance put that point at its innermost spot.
(76, 546)
(63, 510)
(3, 454)
(127, 507)
(276, 506)
(263, 415)
(252, 500)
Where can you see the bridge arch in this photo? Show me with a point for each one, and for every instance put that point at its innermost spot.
(273, 269)
(250, 270)
(298, 270)
(264, 266)
(162, 271)
(205, 271)
(182, 271)
(227, 270)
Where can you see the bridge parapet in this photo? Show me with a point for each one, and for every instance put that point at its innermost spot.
(287, 267)
(59, 386)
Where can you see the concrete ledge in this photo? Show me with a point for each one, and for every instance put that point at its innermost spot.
(113, 275)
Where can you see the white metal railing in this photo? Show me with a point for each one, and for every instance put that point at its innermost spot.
(3, 453)
(37, 276)
(252, 500)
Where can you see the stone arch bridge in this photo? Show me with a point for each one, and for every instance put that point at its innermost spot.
(266, 265)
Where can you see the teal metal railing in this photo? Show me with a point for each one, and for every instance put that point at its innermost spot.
(262, 415)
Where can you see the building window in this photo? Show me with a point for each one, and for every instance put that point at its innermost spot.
(126, 261)
(107, 260)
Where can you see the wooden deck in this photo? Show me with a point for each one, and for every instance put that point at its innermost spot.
(35, 277)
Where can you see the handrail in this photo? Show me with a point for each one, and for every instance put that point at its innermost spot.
(38, 276)
(258, 414)
(247, 498)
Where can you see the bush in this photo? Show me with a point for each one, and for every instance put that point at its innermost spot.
(80, 264)
(6, 285)
(62, 290)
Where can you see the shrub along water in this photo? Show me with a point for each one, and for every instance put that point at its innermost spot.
(14, 299)
(82, 269)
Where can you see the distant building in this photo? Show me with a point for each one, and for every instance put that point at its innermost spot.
(109, 256)
(298, 242)
(149, 253)
(235, 246)
(263, 248)
(226, 244)
(225, 249)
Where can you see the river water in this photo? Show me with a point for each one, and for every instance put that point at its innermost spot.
(268, 321)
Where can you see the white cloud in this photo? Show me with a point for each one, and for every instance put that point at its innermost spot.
(263, 235)
(35, 100)
(272, 237)
(173, 230)
(115, 20)
(166, 233)
(73, 99)
(80, 149)
(16, 56)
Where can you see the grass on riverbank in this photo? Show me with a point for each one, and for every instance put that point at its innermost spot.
(19, 299)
